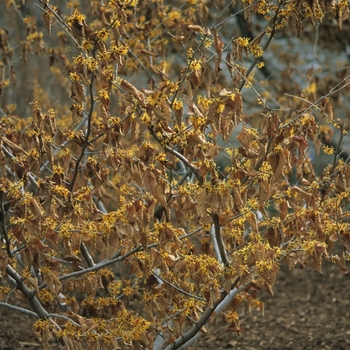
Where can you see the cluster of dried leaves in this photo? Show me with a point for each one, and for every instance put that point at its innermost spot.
(118, 227)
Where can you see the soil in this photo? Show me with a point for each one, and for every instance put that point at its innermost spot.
(308, 311)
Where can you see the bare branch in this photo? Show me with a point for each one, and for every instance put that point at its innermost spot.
(219, 240)
(87, 134)
(20, 309)
(272, 34)
(331, 92)
(29, 294)
(86, 255)
(188, 68)
(179, 156)
(183, 339)
(177, 288)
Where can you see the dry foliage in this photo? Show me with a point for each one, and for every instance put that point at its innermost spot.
(119, 229)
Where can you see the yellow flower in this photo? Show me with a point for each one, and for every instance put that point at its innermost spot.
(120, 50)
(102, 34)
(76, 16)
(161, 157)
(328, 149)
(60, 191)
(177, 105)
(174, 15)
(87, 45)
(57, 169)
(242, 41)
(256, 50)
(103, 94)
(195, 65)
(34, 36)
(265, 171)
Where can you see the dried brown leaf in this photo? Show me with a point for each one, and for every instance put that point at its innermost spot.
(149, 179)
(195, 28)
(32, 283)
(202, 202)
(188, 90)
(196, 78)
(133, 91)
(218, 44)
(77, 92)
(226, 127)
(253, 222)
(217, 70)
(53, 283)
(206, 77)
(245, 138)
(258, 38)
(264, 191)
(48, 20)
(15, 148)
(238, 199)
(193, 110)
(159, 193)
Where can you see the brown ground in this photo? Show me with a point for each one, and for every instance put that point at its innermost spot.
(308, 311)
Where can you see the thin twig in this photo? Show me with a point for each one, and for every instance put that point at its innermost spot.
(177, 288)
(188, 69)
(179, 156)
(341, 125)
(20, 309)
(61, 22)
(64, 318)
(261, 99)
(97, 266)
(234, 15)
(331, 92)
(256, 60)
(87, 134)
(138, 61)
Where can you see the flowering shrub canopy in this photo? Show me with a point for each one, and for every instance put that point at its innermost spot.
(121, 228)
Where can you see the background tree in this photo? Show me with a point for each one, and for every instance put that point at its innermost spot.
(154, 197)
